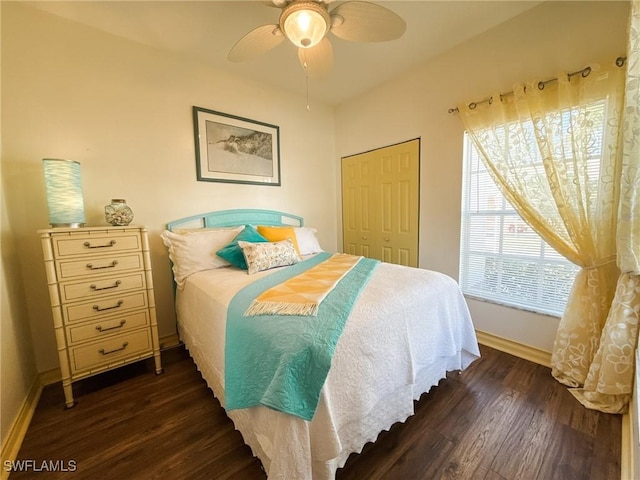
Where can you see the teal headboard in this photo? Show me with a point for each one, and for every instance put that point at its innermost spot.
(231, 218)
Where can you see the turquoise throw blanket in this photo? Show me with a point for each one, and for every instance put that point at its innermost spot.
(282, 361)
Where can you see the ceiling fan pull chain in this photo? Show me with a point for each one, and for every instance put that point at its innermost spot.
(306, 77)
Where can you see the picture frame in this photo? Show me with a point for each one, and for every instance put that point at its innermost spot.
(234, 149)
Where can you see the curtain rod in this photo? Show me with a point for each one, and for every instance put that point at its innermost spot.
(583, 73)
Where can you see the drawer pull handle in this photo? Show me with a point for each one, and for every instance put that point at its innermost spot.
(100, 329)
(91, 267)
(110, 244)
(97, 308)
(102, 351)
(115, 285)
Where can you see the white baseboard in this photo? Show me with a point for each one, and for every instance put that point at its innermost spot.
(626, 449)
(11, 446)
(516, 349)
(169, 341)
(630, 459)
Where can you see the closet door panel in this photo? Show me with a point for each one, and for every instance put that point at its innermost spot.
(398, 213)
(380, 194)
(357, 212)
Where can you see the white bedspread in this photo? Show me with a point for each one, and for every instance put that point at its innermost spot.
(406, 330)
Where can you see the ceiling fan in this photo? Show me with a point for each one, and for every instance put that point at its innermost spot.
(306, 24)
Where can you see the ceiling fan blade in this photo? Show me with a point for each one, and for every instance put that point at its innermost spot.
(318, 60)
(257, 41)
(366, 22)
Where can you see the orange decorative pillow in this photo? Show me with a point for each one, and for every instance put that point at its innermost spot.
(277, 234)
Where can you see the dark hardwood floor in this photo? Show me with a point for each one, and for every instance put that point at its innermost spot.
(502, 419)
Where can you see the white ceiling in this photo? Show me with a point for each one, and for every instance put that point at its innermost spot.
(206, 31)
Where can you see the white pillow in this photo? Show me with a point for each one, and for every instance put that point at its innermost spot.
(265, 255)
(307, 240)
(195, 251)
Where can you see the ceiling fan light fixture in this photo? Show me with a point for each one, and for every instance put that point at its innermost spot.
(305, 23)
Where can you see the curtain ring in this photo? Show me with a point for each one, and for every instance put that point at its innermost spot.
(585, 73)
(540, 85)
(490, 100)
(472, 106)
(620, 61)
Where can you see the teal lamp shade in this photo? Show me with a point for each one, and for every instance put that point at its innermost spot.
(64, 192)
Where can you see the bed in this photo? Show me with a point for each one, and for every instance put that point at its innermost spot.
(405, 330)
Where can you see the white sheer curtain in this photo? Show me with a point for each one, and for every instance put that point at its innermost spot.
(556, 152)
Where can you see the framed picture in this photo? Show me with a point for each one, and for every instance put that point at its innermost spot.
(235, 150)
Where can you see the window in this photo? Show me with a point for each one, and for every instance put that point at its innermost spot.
(502, 259)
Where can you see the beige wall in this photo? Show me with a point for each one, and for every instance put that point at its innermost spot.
(550, 38)
(17, 361)
(124, 112)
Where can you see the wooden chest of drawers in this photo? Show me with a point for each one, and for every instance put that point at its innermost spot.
(101, 293)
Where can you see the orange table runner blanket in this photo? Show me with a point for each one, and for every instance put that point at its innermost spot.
(302, 294)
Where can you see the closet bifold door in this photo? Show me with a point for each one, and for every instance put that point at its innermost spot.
(380, 202)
